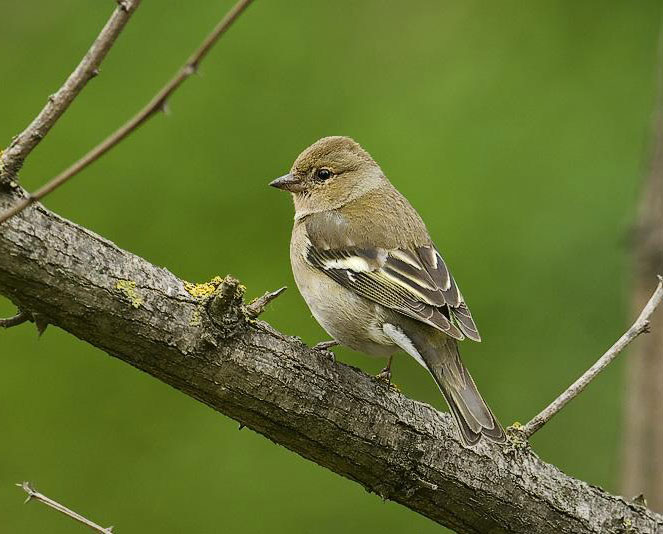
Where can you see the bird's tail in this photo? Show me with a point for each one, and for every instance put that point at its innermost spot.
(474, 417)
(441, 357)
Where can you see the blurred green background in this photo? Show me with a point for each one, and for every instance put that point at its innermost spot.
(517, 129)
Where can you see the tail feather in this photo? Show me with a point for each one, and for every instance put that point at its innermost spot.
(439, 354)
(471, 412)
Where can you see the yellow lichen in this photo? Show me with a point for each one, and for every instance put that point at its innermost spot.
(195, 318)
(128, 289)
(204, 290)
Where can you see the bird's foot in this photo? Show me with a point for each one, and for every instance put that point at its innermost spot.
(324, 346)
(384, 376)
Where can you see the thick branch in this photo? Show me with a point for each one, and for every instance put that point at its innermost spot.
(199, 340)
(13, 157)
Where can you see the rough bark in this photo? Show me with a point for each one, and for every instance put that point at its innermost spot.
(201, 341)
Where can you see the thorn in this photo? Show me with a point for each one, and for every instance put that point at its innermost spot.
(258, 305)
(27, 488)
(646, 327)
(122, 4)
(40, 323)
(94, 73)
(51, 98)
(163, 106)
(190, 69)
(240, 426)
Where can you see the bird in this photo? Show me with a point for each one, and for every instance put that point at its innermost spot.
(365, 264)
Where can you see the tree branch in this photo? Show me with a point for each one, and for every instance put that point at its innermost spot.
(639, 326)
(199, 339)
(11, 159)
(155, 105)
(18, 319)
(34, 494)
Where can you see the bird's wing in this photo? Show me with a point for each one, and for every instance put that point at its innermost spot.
(413, 281)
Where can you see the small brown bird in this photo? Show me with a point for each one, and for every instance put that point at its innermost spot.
(370, 273)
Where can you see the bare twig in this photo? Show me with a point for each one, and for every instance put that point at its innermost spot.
(639, 326)
(155, 105)
(34, 494)
(258, 305)
(20, 318)
(13, 157)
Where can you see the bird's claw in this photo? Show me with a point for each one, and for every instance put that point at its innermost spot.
(384, 376)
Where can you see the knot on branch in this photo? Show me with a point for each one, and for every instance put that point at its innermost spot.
(222, 301)
(226, 305)
(517, 442)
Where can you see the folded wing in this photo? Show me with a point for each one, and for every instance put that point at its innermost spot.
(415, 282)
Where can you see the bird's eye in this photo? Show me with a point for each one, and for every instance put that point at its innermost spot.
(323, 174)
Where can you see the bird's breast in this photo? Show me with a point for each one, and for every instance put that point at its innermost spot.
(349, 318)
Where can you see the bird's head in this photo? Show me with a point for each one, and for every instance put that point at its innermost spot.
(330, 173)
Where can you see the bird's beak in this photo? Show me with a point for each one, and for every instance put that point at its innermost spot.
(288, 182)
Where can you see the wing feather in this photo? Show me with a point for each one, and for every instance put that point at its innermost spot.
(416, 283)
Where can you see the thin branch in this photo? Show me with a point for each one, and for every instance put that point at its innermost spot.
(20, 318)
(13, 157)
(258, 305)
(155, 105)
(34, 494)
(641, 325)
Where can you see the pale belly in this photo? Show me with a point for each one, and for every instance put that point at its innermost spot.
(348, 318)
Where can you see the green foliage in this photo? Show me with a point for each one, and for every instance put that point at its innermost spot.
(518, 130)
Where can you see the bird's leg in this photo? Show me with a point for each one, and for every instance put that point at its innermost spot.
(385, 374)
(324, 346)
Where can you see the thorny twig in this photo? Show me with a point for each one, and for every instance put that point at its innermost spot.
(12, 158)
(34, 494)
(158, 103)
